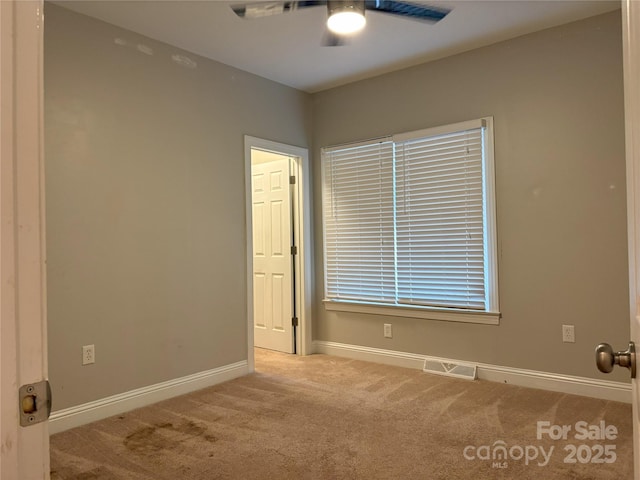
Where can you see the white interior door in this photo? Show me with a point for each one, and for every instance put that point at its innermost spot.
(272, 264)
(631, 53)
(23, 334)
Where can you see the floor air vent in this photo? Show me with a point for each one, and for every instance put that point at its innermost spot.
(458, 370)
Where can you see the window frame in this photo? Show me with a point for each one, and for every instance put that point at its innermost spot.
(491, 314)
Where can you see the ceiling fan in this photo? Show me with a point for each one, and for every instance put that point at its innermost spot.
(345, 17)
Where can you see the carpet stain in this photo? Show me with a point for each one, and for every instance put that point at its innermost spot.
(164, 436)
(95, 474)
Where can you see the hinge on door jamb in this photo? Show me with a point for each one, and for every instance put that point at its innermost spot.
(294, 321)
(294, 250)
(292, 180)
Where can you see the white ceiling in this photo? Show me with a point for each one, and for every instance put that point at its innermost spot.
(288, 48)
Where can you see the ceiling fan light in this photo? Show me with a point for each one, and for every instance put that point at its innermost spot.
(346, 17)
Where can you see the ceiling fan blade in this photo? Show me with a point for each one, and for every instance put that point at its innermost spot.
(266, 9)
(416, 11)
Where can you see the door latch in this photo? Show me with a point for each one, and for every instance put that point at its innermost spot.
(35, 403)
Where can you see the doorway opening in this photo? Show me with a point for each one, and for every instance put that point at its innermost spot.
(278, 239)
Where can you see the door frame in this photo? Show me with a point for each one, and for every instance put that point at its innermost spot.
(23, 323)
(302, 231)
(631, 66)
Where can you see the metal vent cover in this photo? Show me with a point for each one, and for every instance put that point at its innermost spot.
(450, 369)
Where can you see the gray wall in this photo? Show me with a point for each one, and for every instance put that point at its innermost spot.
(146, 205)
(145, 199)
(556, 97)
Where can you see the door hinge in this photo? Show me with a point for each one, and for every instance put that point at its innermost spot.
(294, 250)
(294, 321)
(292, 180)
(35, 403)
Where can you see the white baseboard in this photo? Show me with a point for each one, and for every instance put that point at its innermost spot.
(67, 418)
(588, 387)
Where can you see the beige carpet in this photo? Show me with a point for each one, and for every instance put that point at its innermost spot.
(322, 417)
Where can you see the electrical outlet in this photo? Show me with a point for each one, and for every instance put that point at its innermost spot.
(88, 354)
(568, 334)
(387, 331)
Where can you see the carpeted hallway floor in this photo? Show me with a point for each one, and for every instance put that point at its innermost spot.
(322, 417)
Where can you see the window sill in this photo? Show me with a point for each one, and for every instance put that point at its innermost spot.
(426, 313)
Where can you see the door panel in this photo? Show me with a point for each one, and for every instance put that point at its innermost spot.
(272, 266)
(259, 292)
(277, 301)
(258, 229)
(276, 230)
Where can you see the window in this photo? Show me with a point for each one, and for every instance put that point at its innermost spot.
(409, 224)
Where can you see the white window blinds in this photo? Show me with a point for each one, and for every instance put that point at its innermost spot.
(358, 222)
(439, 220)
(406, 220)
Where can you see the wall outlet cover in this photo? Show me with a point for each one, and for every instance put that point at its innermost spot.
(88, 354)
(387, 331)
(568, 334)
